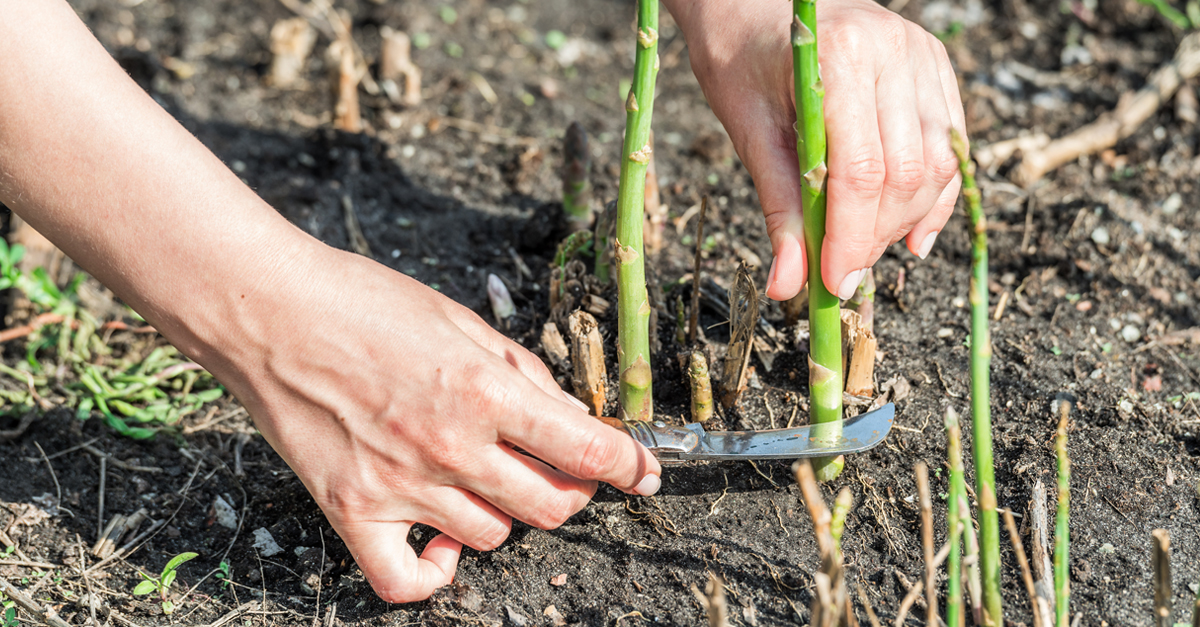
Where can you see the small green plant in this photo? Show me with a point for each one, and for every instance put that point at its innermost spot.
(9, 618)
(162, 583)
(1175, 16)
(224, 574)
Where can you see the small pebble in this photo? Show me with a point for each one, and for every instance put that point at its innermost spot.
(1108, 548)
(1101, 236)
(959, 302)
(1126, 406)
(1131, 333)
(1172, 204)
(945, 332)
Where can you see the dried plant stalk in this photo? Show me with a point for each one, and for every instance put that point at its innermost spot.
(1014, 536)
(1132, 110)
(1040, 553)
(927, 544)
(656, 212)
(555, 347)
(346, 115)
(396, 66)
(743, 318)
(830, 582)
(587, 357)
(292, 41)
(859, 345)
(1161, 564)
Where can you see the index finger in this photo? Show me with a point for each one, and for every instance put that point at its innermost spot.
(582, 446)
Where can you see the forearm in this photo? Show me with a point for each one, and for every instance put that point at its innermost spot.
(98, 167)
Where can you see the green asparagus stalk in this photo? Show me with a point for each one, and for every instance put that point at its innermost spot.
(1062, 533)
(841, 509)
(954, 593)
(824, 315)
(577, 188)
(1196, 610)
(633, 305)
(981, 414)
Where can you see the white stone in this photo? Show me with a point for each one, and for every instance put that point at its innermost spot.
(224, 513)
(1131, 333)
(1172, 204)
(266, 545)
(1101, 236)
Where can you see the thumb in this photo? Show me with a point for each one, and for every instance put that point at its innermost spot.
(770, 157)
(392, 567)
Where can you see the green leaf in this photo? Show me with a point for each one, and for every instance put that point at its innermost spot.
(144, 588)
(168, 607)
(179, 559)
(168, 578)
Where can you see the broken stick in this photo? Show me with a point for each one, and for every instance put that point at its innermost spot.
(1132, 110)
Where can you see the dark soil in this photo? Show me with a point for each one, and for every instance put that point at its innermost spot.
(449, 206)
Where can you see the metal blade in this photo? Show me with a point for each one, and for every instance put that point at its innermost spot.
(856, 435)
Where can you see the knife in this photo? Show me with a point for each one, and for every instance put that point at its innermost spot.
(671, 444)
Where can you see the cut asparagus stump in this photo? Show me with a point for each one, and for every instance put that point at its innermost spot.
(825, 322)
(633, 322)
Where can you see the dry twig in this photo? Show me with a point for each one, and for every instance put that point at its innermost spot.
(1132, 110)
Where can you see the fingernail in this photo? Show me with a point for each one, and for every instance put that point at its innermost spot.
(648, 486)
(927, 245)
(771, 273)
(576, 402)
(851, 283)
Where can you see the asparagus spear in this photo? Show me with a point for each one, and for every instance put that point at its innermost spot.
(633, 321)
(1062, 533)
(981, 414)
(954, 593)
(577, 189)
(825, 321)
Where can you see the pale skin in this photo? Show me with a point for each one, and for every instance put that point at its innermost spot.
(393, 404)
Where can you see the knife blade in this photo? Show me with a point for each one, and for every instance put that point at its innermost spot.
(691, 442)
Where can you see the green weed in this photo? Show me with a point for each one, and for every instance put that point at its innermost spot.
(162, 583)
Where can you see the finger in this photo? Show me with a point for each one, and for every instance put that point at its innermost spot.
(583, 447)
(900, 126)
(532, 492)
(856, 160)
(770, 157)
(941, 109)
(396, 573)
(466, 517)
(923, 236)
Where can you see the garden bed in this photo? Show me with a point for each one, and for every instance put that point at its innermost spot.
(1097, 266)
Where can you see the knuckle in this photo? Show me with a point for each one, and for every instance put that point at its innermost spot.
(863, 175)
(906, 176)
(943, 166)
(492, 537)
(597, 457)
(554, 511)
(851, 40)
(485, 392)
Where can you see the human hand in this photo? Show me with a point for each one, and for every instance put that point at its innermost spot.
(395, 405)
(890, 101)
